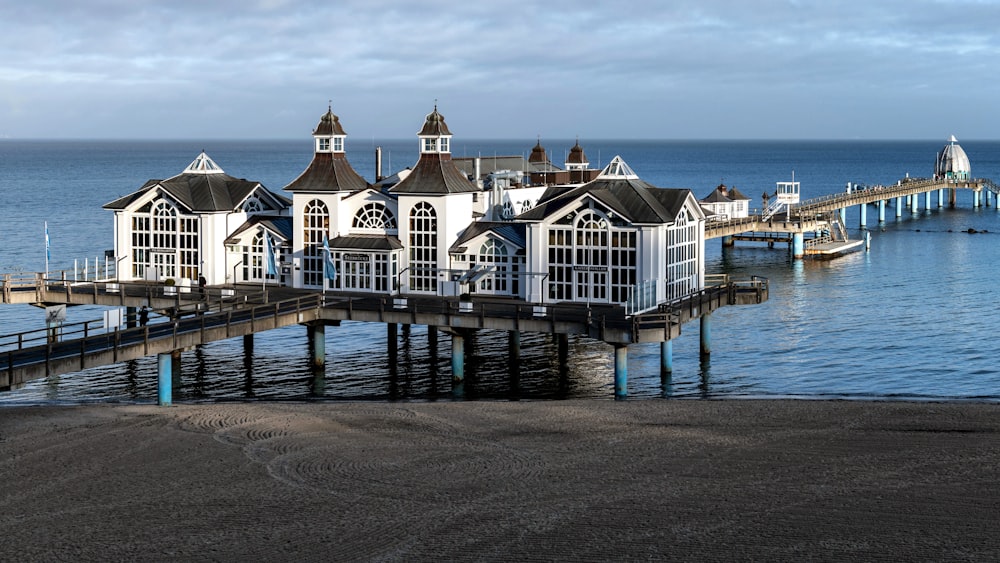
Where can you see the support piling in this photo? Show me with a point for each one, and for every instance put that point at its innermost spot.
(164, 379)
(621, 370)
(706, 334)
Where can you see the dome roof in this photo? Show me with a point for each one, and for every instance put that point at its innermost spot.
(538, 154)
(576, 155)
(329, 124)
(434, 124)
(952, 160)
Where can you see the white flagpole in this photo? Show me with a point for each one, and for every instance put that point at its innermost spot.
(46, 250)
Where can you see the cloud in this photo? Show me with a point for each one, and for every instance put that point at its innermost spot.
(267, 68)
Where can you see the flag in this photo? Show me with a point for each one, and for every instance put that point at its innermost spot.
(48, 251)
(329, 267)
(270, 263)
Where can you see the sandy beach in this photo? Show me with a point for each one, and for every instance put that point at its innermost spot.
(511, 481)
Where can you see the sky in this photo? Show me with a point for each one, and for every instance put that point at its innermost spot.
(630, 69)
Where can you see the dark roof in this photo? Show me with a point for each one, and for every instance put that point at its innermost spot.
(328, 172)
(735, 194)
(329, 124)
(576, 155)
(434, 124)
(365, 242)
(716, 197)
(200, 192)
(634, 199)
(538, 154)
(514, 232)
(280, 224)
(434, 174)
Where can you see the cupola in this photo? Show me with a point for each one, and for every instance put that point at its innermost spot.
(434, 137)
(203, 165)
(576, 160)
(538, 155)
(329, 134)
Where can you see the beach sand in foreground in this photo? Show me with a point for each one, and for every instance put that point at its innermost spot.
(515, 481)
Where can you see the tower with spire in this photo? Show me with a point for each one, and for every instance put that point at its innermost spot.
(317, 199)
(435, 206)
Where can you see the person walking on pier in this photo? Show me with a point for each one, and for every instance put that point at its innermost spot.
(143, 316)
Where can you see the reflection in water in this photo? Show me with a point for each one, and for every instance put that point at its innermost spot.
(248, 367)
(132, 379)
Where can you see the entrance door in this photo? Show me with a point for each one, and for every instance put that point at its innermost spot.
(165, 263)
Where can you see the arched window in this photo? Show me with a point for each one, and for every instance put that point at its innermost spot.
(164, 225)
(423, 248)
(493, 254)
(682, 256)
(591, 272)
(253, 205)
(316, 225)
(374, 216)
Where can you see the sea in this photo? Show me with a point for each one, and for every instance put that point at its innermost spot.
(911, 318)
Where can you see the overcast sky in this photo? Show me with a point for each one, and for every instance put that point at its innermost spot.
(678, 69)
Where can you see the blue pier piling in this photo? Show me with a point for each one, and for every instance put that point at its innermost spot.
(941, 198)
(899, 207)
(881, 211)
(914, 204)
(318, 345)
(728, 241)
(927, 201)
(864, 215)
(843, 215)
(706, 334)
(164, 379)
(457, 358)
(621, 370)
(975, 199)
(666, 357)
(798, 245)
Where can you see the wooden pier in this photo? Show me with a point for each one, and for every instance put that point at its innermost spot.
(197, 318)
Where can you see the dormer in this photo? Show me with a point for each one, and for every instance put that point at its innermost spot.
(329, 134)
(434, 138)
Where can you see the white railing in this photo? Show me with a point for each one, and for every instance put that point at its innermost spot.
(641, 297)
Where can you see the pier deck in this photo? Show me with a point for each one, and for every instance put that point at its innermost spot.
(224, 313)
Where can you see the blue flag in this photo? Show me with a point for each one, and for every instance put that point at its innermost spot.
(329, 267)
(270, 263)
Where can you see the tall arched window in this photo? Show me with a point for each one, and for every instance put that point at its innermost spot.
(253, 259)
(682, 256)
(423, 248)
(591, 257)
(164, 251)
(374, 216)
(316, 225)
(493, 254)
(164, 225)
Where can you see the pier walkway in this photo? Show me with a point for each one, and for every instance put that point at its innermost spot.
(192, 319)
(823, 216)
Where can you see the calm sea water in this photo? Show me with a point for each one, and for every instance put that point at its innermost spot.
(913, 318)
